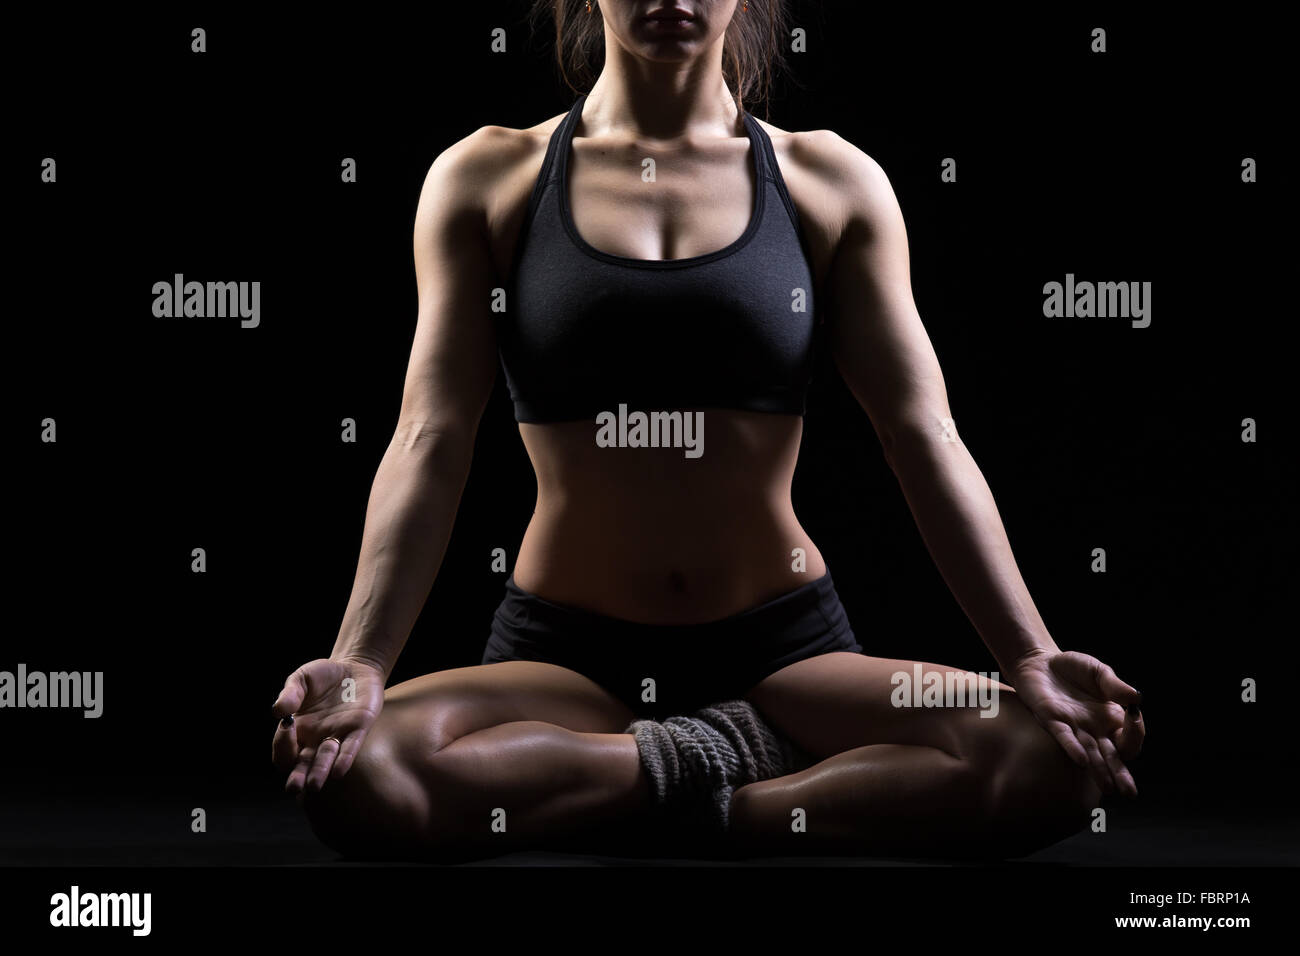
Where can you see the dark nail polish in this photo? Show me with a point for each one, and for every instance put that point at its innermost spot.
(286, 722)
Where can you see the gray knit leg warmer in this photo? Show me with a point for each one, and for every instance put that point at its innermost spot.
(696, 763)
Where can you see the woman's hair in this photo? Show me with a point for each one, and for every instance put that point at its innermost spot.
(753, 50)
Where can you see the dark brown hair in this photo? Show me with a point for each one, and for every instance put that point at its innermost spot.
(753, 49)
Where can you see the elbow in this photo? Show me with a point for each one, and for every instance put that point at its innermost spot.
(912, 444)
(441, 445)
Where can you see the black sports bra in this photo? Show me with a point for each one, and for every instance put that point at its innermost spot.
(584, 331)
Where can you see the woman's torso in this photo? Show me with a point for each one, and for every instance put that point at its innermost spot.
(644, 533)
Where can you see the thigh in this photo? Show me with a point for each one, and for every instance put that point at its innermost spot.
(431, 711)
(838, 701)
(384, 802)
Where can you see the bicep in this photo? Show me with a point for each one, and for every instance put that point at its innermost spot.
(879, 343)
(453, 355)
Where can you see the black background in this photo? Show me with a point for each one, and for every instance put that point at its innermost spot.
(176, 434)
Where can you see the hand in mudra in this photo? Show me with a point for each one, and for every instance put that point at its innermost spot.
(331, 706)
(1093, 715)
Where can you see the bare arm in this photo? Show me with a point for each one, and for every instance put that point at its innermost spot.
(885, 356)
(882, 350)
(419, 482)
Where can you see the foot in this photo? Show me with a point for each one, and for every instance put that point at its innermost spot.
(696, 762)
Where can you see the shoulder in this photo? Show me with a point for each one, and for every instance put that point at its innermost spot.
(825, 153)
(479, 173)
(842, 185)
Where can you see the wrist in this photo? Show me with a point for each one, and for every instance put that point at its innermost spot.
(361, 660)
(1031, 656)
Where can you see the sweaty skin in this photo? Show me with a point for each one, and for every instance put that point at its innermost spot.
(646, 534)
(649, 535)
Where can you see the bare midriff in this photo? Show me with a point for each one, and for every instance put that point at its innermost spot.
(654, 536)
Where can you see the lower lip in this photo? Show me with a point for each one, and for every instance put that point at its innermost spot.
(670, 25)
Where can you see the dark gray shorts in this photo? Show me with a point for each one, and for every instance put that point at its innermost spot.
(692, 665)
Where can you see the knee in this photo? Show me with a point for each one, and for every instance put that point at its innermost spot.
(376, 810)
(392, 803)
(1034, 794)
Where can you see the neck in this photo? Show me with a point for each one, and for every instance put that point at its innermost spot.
(660, 101)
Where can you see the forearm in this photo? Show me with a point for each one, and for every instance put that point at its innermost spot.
(409, 516)
(959, 522)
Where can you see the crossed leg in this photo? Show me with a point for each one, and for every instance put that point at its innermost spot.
(483, 760)
(912, 781)
(489, 759)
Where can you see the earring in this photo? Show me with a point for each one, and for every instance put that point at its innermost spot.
(744, 8)
(589, 6)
